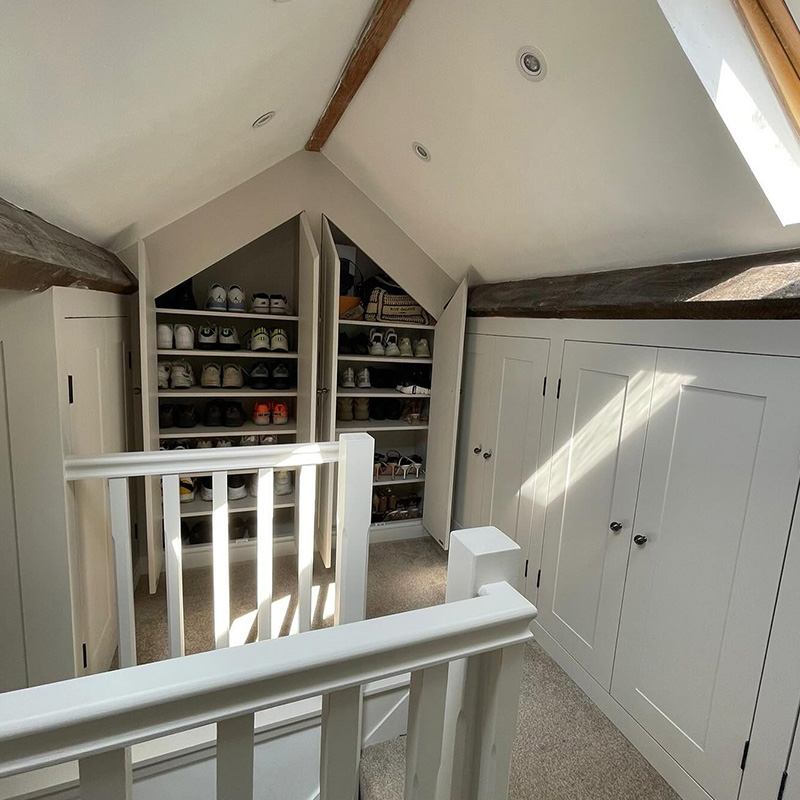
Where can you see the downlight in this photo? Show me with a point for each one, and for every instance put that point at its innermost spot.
(531, 63)
(421, 151)
(264, 119)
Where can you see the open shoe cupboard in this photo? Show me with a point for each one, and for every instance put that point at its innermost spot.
(286, 260)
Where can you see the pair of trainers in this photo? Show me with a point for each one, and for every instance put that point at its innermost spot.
(174, 337)
(275, 340)
(237, 487)
(220, 299)
(352, 379)
(352, 408)
(263, 303)
(387, 344)
(263, 376)
(220, 413)
(183, 415)
(282, 483)
(206, 444)
(270, 412)
(210, 337)
(231, 376)
(175, 375)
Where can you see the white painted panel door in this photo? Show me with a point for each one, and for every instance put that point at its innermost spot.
(479, 394)
(448, 355)
(308, 332)
(329, 348)
(792, 777)
(718, 485)
(597, 455)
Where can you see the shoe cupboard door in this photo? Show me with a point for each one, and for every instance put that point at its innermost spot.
(601, 421)
(718, 484)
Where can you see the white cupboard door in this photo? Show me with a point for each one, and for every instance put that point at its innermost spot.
(791, 779)
(718, 485)
(479, 395)
(308, 332)
(513, 432)
(448, 354)
(597, 455)
(329, 348)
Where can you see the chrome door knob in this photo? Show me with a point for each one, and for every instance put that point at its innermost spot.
(477, 450)
(487, 455)
(639, 539)
(616, 527)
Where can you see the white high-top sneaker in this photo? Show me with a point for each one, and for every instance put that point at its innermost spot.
(235, 298)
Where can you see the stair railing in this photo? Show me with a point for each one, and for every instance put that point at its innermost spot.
(353, 454)
(96, 719)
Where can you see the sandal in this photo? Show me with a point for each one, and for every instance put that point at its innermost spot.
(393, 458)
(411, 464)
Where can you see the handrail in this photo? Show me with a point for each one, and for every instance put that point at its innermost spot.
(51, 724)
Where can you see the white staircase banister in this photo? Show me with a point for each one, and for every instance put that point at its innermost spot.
(55, 723)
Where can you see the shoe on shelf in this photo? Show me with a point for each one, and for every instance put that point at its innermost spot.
(383, 377)
(283, 482)
(214, 414)
(361, 408)
(228, 339)
(248, 441)
(345, 345)
(207, 337)
(181, 444)
(204, 444)
(347, 378)
(237, 487)
(188, 489)
(421, 349)
(210, 376)
(262, 412)
(377, 409)
(278, 305)
(164, 336)
(182, 376)
(187, 416)
(344, 409)
(234, 415)
(224, 443)
(394, 408)
(376, 347)
(184, 337)
(259, 377)
(180, 297)
(280, 377)
(259, 303)
(390, 343)
(411, 412)
(278, 340)
(267, 439)
(235, 298)
(280, 413)
(406, 350)
(232, 376)
(164, 370)
(360, 344)
(217, 299)
(166, 415)
(163, 444)
(414, 381)
(259, 339)
(362, 379)
(206, 488)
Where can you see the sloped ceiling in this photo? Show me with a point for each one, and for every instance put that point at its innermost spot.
(616, 159)
(118, 112)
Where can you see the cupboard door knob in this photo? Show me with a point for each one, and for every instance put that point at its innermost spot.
(616, 527)
(487, 455)
(639, 539)
(477, 450)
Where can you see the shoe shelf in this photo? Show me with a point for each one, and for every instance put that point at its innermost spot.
(230, 394)
(342, 392)
(397, 326)
(202, 508)
(209, 315)
(376, 360)
(398, 481)
(369, 425)
(397, 523)
(203, 432)
(227, 353)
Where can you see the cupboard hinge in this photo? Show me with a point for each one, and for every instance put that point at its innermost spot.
(544, 386)
(85, 657)
(782, 789)
(70, 390)
(538, 578)
(526, 567)
(745, 751)
(558, 389)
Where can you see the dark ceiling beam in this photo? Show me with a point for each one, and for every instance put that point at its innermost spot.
(374, 36)
(764, 286)
(35, 255)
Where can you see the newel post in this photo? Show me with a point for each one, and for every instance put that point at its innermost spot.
(482, 691)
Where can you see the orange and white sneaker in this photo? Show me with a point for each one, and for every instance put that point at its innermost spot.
(262, 412)
(280, 413)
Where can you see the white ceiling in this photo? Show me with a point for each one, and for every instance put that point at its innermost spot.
(124, 111)
(618, 158)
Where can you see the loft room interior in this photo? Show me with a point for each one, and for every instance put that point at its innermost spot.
(400, 400)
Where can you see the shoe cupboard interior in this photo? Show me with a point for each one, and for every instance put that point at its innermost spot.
(649, 470)
(273, 344)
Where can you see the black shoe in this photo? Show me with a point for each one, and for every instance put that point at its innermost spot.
(166, 416)
(377, 408)
(382, 378)
(280, 376)
(394, 409)
(201, 532)
(345, 346)
(180, 296)
(260, 377)
(234, 415)
(214, 414)
(360, 344)
(187, 416)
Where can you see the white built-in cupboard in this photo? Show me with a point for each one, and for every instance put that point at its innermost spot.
(652, 486)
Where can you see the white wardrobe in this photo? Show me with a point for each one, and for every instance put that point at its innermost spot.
(667, 477)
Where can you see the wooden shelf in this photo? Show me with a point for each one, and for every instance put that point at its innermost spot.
(369, 425)
(377, 360)
(221, 432)
(402, 326)
(398, 481)
(223, 354)
(231, 394)
(342, 392)
(208, 314)
(202, 508)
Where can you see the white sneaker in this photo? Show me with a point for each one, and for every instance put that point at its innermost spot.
(206, 489)
(376, 347)
(184, 337)
(207, 337)
(204, 444)
(421, 349)
(217, 299)
(267, 439)
(278, 304)
(210, 376)
(362, 379)
(248, 441)
(235, 298)
(278, 340)
(347, 378)
(405, 348)
(259, 303)
(224, 443)
(283, 482)
(259, 339)
(232, 377)
(188, 489)
(164, 370)
(228, 339)
(164, 335)
(182, 375)
(390, 343)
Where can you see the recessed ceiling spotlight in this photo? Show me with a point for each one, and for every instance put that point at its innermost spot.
(531, 63)
(421, 151)
(264, 119)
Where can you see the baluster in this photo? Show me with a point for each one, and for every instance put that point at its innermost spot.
(425, 726)
(107, 776)
(340, 753)
(119, 502)
(220, 557)
(235, 758)
(265, 504)
(170, 489)
(305, 513)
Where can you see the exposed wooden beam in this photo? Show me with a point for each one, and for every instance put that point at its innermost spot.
(373, 39)
(764, 286)
(35, 255)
